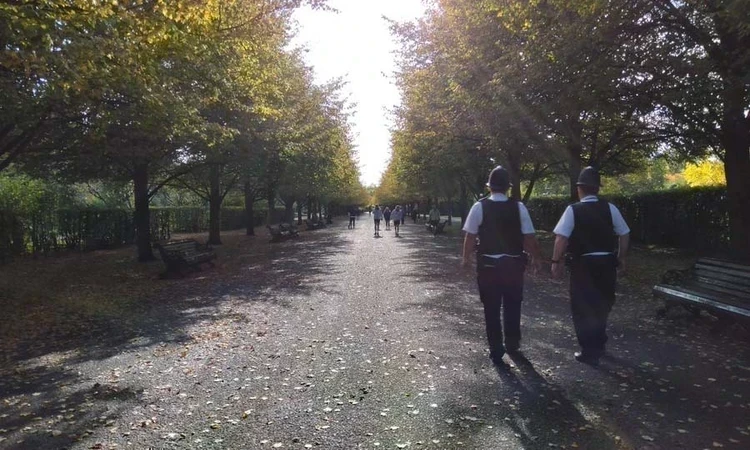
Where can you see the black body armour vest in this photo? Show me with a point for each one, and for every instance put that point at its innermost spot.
(500, 232)
(593, 230)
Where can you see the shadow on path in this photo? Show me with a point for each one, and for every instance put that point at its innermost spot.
(671, 385)
(85, 309)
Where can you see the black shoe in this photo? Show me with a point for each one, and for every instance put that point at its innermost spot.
(587, 358)
(497, 358)
(513, 349)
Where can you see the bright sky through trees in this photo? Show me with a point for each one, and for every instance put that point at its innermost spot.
(355, 43)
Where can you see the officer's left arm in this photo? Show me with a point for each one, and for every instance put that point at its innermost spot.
(470, 241)
(561, 244)
(624, 244)
(622, 230)
(530, 244)
(471, 228)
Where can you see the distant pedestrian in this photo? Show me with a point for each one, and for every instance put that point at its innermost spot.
(434, 216)
(397, 217)
(498, 230)
(596, 236)
(377, 216)
(352, 218)
(387, 217)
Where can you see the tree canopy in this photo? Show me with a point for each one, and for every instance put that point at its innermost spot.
(547, 87)
(206, 96)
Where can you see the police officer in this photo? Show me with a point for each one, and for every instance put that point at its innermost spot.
(596, 236)
(498, 230)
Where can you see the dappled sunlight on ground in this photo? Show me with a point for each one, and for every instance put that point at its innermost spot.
(339, 340)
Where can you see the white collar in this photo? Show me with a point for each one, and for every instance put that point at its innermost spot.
(498, 197)
(590, 198)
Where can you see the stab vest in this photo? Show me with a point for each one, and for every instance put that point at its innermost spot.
(593, 230)
(500, 232)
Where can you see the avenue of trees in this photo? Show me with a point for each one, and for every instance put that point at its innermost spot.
(546, 87)
(205, 97)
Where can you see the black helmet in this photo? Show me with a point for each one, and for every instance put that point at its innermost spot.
(589, 177)
(499, 179)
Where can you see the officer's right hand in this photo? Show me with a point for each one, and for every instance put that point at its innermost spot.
(536, 266)
(557, 270)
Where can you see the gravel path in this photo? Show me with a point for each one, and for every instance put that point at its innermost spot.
(340, 340)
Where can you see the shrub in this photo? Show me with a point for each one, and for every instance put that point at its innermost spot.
(696, 218)
(46, 231)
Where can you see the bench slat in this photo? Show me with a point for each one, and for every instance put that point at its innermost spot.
(710, 287)
(740, 289)
(700, 272)
(683, 294)
(726, 264)
(725, 271)
(688, 292)
(180, 245)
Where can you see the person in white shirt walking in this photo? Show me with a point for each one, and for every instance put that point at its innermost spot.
(434, 216)
(498, 231)
(377, 216)
(596, 236)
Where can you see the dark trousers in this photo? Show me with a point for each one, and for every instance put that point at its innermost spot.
(501, 292)
(592, 295)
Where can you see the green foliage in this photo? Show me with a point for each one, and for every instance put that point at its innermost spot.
(547, 87)
(49, 230)
(165, 98)
(22, 194)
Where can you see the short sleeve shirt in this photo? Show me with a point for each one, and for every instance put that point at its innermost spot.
(567, 221)
(474, 219)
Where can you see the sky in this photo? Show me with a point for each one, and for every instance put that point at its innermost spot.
(355, 44)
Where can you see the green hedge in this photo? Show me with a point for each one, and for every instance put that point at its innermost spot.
(696, 218)
(90, 229)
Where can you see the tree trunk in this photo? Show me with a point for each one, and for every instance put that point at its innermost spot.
(463, 203)
(736, 141)
(532, 181)
(529, 190)
(515, 180)
(214, 206)
(289, 210)
(310, 205)
(142, 214)
(271, 199)
(249, 214)
(299, 213)
(575, 150)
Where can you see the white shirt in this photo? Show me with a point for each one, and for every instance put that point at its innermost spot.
(474, 219)
(567, 221)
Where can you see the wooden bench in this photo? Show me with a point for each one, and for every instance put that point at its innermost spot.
(717, 286)
(184, 254)
(282, 232)
(436, 229)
